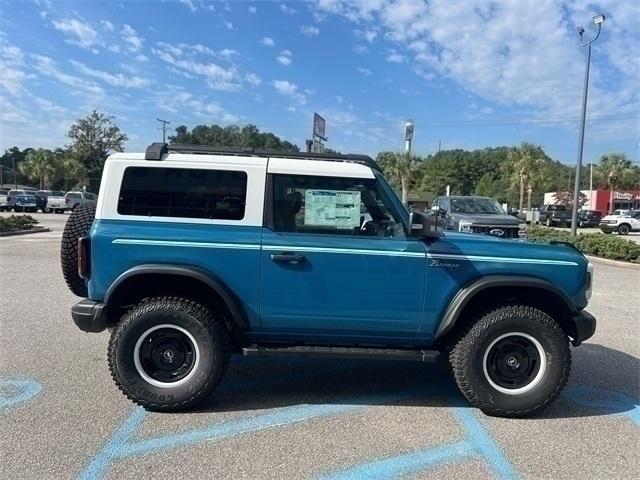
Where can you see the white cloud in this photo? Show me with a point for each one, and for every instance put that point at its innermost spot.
(394, 57)
(253, 79)
(114, 79)
(79, 31)
(228, 53)
(360, 49)
(177, 101)
(12, 74)
(288, 89)
(252, 9)
(285, 58)
(268, 41)
(48, 67)
(364, 71)
(217, 77)
(107, 25)
(131, 37)
(368, 35)
(189, 4)
(309, 30)
(287, 10)
(485, 49)
(142, 58)
(228, 25)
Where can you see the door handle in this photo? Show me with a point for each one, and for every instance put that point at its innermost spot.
(292, 258)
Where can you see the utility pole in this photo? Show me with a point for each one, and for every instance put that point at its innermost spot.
(598, 20)
(408, 138)
(591, 185)
(15, 172)
(164, 129)
(439, 145)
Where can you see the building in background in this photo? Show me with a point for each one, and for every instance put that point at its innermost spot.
(599, 199)
(420, 201)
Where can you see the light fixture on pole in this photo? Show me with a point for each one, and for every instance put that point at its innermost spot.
(408, 136)
(598, 20)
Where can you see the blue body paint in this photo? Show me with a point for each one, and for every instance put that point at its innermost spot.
(477, 443)
(15, 391)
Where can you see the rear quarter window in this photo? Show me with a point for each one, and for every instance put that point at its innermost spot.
(183, 193)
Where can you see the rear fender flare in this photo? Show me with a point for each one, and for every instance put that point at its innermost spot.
(237, 311)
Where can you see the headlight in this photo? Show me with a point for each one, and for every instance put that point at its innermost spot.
(464, 226)
(589, 281)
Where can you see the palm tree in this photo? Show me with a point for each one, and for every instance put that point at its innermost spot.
(39, 165)
(616, 169)
(71, 171)
(399, 168)
(525, 161)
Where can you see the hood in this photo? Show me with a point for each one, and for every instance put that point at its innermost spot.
(487, 219)
(611, 217)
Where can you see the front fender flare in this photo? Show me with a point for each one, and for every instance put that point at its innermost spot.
(468, 292)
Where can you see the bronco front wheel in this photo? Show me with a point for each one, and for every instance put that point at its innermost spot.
(514, 361)
(168, 353)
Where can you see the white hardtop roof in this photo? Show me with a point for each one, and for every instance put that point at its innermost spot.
(295, 166)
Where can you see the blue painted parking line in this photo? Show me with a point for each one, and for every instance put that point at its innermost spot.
(603, 399)
(15, 391)
(477, 444)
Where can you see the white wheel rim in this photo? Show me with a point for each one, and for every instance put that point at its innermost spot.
(156, 383)
(536, 380)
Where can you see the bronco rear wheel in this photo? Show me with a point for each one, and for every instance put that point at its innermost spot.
(168, 353)
(514, 361)
(77, 226)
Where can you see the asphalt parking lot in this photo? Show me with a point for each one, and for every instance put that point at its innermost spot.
(62, 417)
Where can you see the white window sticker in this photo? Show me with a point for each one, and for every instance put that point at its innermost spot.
(332, 208)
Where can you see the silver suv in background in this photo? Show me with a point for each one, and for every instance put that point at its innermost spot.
(474, 214)
(73, 199)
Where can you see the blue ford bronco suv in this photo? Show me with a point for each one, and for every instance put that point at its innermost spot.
(193, 253)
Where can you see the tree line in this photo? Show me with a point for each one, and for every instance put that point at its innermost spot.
(518, 176)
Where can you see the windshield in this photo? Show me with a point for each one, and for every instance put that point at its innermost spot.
(476, 205)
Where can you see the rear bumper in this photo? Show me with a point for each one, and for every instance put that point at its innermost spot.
(90, 316)
(585, 326)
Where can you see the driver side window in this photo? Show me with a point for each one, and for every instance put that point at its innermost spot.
(332, 206)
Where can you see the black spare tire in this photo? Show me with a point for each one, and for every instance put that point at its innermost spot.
(77, 226)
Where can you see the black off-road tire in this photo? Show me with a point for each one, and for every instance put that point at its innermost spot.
(467, 358)
(77, 226)
(209, 333)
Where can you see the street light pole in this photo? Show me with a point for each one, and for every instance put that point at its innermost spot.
(598, 20)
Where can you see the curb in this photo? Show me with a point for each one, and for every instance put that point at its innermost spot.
(25, 232)
(614, 263)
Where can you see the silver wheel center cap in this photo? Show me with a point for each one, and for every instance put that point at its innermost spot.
(513, 362)
(168, 355)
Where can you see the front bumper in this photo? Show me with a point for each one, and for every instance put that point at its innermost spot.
(608, 227)
(90, 316)
(585, 324)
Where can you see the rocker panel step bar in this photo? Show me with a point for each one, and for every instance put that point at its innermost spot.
(344, 352)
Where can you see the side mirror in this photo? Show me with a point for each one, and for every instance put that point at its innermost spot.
(423, 225)
(438, 212)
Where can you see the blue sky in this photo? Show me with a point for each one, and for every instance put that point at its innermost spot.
(471, 74)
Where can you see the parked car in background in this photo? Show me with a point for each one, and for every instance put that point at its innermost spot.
(73, 199)
(51, 201)
(21, 201)
(25, 202)
(479, 215)
(555, 215)
(589, 218)
(3, 200)
(623, 224)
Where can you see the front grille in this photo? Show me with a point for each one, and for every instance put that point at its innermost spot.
(509, 232)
